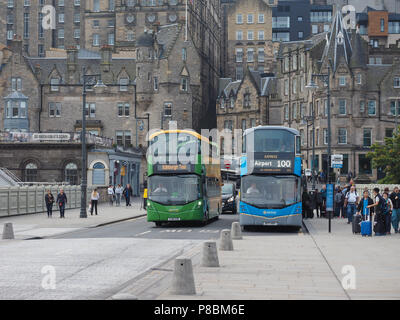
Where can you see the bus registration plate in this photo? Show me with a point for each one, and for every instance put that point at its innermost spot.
(270, 223)
(174, 219)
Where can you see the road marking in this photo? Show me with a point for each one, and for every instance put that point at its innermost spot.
(143, 233)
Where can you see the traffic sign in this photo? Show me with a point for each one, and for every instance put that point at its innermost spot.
(337, 157)
(329, 197)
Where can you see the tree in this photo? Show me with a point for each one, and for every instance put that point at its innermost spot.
(387, 156)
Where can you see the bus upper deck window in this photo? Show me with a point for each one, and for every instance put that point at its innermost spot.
(298, 145)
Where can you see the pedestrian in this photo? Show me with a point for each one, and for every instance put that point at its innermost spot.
(349, 176)
(362, 207)
(306, 201)
(395, 197)
(388, 208)
(318, 203)
(378, 205)
(118, 194)
(49, 199)
(338, 202)
(62, 201)
(351, 202)
(323, 198)
(110, 192)
(94, 199)
(127, 194)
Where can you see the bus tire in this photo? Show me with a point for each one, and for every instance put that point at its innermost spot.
(158, 223)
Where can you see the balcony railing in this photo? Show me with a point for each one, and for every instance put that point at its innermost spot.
(53, 137)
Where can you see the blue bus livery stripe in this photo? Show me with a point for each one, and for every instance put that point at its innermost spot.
(249, 210)
(243, 165)
(297, 166)
(274, 218)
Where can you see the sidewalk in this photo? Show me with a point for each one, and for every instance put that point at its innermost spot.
(375, 259)
(38, 225)
(290, 266)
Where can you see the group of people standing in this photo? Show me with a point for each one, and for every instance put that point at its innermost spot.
(114, 194)
(118, 192)
(385, 207)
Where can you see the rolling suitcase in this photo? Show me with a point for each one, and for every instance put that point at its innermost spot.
(356, 226)
(366, 227)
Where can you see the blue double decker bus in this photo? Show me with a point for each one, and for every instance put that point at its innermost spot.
(270, 170)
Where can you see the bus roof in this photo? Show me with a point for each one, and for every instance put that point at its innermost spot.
(291, 130)
(193, 133)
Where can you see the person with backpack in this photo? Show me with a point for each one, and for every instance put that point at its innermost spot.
(338, 202)
(395, 197)
(351, 202)
(379, 207)
(128, 192)
(388, 207)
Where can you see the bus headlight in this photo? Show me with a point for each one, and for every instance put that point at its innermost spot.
(199, 203)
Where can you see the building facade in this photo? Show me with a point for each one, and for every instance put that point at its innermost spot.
(23, 19)
(362, 98)
(244, 104)
(248, 37)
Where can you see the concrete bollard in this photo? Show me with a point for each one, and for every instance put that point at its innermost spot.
(183, 278)
(210, 254)
(225, 241)
(236, 232)
(8, 231)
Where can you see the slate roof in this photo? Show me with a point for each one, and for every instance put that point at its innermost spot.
(375, 75)
(16, 95)
(90, 60)
(338, 47)
(359, 58)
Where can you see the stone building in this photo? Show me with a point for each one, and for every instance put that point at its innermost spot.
(41, 118)
(247, 37)
(23, 18)
(363, 101)
(244, 104)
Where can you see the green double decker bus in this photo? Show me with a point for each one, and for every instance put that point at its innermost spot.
(179, 190)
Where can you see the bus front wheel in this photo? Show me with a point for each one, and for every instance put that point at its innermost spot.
(158, 223)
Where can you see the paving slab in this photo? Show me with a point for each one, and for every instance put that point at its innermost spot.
(38, 225)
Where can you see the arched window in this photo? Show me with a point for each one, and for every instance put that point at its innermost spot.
(98, 174)
(71, 173)
(31, 171)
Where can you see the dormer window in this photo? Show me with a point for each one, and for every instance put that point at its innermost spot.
(54, 82)
(16, 84)
(246, 100)
(123, 84)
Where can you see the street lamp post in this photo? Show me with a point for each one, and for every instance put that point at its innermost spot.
(326, 79)
(311, 118)
(99, 84)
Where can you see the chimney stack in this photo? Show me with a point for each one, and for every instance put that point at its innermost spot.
(106, 57)
(72, 58)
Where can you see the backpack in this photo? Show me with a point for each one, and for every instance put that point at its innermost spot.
(383, 206)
